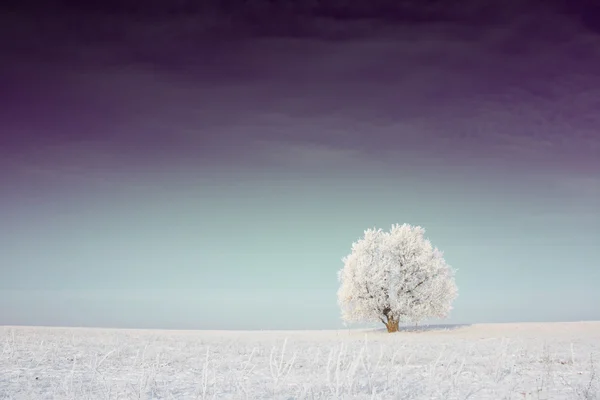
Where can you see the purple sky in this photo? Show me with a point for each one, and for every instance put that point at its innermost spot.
(435, 124)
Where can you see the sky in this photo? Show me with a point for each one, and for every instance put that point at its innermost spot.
(153, 178)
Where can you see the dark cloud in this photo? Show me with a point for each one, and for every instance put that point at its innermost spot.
(512, 95)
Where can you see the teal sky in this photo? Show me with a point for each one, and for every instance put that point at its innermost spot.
(134, 197)
(260, 250)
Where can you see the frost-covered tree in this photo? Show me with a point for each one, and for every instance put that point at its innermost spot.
(395, 276)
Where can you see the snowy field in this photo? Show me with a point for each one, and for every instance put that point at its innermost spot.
(492, 361)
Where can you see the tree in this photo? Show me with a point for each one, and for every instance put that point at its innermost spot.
(395, 276)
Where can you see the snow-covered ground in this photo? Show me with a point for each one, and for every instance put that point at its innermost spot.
(488, 361)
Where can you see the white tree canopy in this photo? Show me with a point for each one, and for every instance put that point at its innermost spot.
(395, 276)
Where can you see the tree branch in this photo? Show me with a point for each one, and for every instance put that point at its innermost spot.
(419, 284)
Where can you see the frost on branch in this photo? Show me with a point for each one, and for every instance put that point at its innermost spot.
(395, 276)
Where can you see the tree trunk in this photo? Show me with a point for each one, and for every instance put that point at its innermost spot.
(392, 325)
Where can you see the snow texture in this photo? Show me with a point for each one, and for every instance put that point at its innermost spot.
(491, 361)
